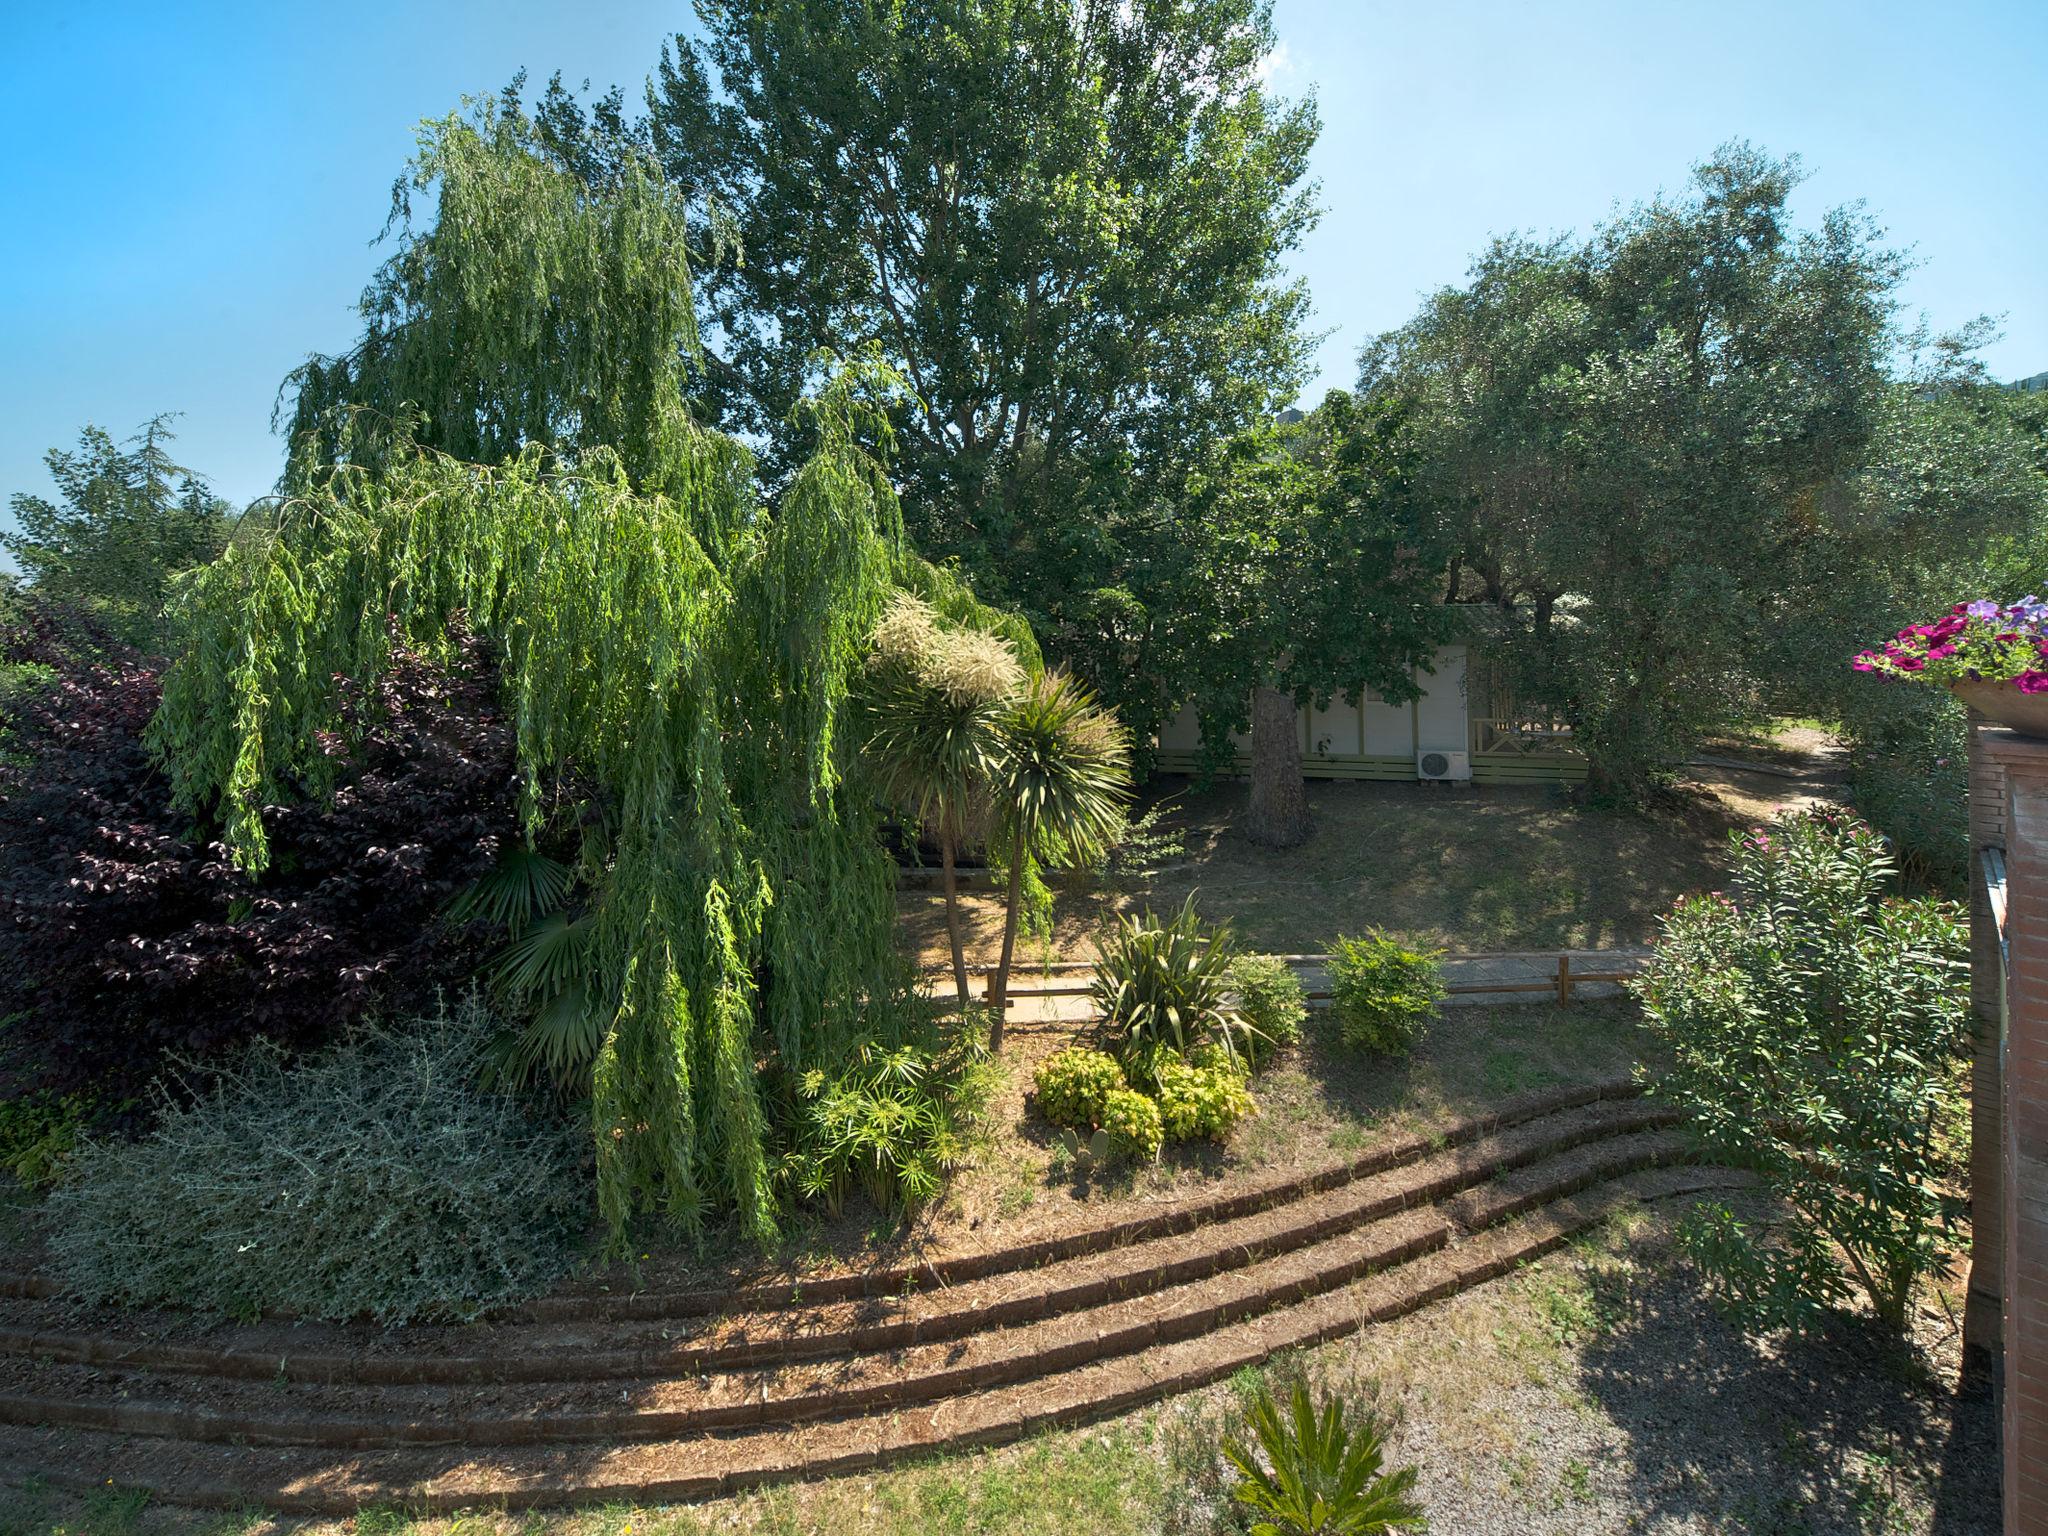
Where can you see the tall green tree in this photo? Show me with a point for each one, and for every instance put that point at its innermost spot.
(1063, 223)
(128, 519)
(1645, 438)
(1299, 567)
(511, 441)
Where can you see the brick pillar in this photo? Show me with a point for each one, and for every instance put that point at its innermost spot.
(2025, 1199)
(1982, 1336)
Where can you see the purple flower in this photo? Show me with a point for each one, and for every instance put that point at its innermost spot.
(1983, 608)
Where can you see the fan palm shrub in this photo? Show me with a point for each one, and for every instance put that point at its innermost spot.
(546, 975)
(1168, 987)
(1314, 1474)
(934, 697)
(1059, 781)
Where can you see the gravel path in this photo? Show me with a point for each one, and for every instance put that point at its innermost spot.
(1601, 1392)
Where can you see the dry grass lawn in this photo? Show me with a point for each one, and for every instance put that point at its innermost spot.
(1469, 869)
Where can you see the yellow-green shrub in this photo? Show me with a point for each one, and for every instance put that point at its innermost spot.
(1133, 1122)
(1201, 1101)
(1074, 1084)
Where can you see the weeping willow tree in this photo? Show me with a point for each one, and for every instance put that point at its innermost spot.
(509, 449)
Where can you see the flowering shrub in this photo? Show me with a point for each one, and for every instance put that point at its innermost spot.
(1973, 642)
(1816, 1024)
(1134, 1124)
(1201, 1102)
(1072, 1085)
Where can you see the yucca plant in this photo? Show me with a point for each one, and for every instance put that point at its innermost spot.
(1061, 775)
(1319, 1476)
(933, 698)
(1167, 986)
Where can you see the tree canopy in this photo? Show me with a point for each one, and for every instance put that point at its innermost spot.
(676, 651)
(1062, 223)
(1665, 447)
(1298, 567)
(129, 518)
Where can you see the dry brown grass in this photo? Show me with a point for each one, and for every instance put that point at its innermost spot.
(1469, 869)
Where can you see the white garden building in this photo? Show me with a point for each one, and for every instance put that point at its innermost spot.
(1463, 728)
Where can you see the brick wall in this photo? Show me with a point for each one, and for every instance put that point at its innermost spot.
(2024, 764)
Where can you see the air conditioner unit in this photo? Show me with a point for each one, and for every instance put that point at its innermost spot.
(1447, 767)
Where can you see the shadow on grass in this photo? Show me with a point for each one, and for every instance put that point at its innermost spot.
(1845, 1431)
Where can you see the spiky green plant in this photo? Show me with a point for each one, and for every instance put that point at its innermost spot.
(1319, 1475)
(1061, 777)
(1168, 987)
(934, 696)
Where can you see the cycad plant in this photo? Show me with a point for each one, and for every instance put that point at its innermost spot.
(1320, 1476)
(934, 696)
(1061, 776)
(1168, 986)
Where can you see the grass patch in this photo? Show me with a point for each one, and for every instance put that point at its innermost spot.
(1501, 867)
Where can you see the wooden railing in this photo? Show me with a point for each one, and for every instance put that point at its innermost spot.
(1561, 977)
(1522, 737)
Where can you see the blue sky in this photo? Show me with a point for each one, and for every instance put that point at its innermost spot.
(193, 188)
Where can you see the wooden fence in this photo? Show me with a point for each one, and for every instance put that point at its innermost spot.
(1560, 976)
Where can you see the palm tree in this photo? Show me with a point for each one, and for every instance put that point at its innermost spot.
(1061, 775)
(933, 701)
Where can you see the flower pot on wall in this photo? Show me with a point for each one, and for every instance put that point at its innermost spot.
(2004, 704)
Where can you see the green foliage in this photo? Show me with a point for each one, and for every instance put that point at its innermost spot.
(677, 656)
(1816, 1024)
(549, 301)
(1909, 770)
(1677, 468)
(1082, 304)
(1073, 1083)
(933, 698)
(37, 1133)
(1270, 998)
(1060, 778)
(1167, 985)
(1298, 560)
(1133, 1122)
(1317, 1475)
(1200, 1102)
(130, 519)
(1384, 992)
(894, 1121)
(376, 1178)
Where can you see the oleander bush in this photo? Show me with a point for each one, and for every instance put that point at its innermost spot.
(1270, 997)
(894, 1120)
(1383, 992)
(1817, 1024)
(377, 1178)
(1073, 1083)
(1136, 1130)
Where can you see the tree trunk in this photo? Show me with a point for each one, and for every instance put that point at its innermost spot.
(952, 880)
(999, 993)
(1277, 816)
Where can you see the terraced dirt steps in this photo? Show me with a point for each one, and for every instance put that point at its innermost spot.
(774, 1387)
